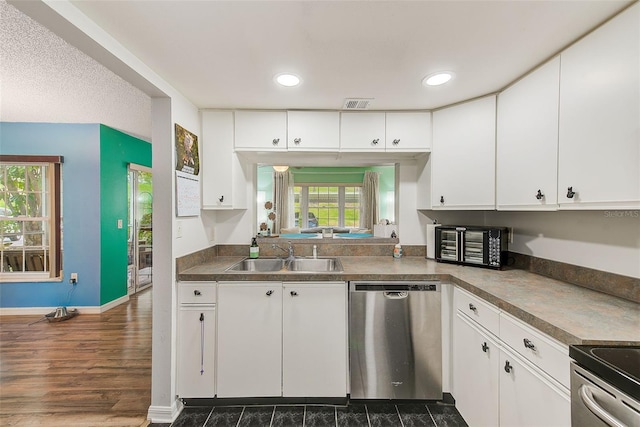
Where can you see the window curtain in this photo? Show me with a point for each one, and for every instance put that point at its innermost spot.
(283, 200)
(370, 199)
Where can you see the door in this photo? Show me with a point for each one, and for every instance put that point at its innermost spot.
(140, 202)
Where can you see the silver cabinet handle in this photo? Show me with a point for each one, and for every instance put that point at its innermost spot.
(539, 195)
(473, 308)
(294, 293)
(528, 344)
(587, 398)
(197, 293)
(297, 140)
(375, 141)
(269, 293)
(275, 141)
(485, 347)
(396, 141)
(508, 367)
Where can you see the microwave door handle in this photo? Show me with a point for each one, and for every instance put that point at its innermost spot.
(460, 237)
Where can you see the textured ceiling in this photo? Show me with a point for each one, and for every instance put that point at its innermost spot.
(45, 79)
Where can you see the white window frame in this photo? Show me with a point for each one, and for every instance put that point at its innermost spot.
(304, 201)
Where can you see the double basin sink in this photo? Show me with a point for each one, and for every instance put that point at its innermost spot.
(302, 265)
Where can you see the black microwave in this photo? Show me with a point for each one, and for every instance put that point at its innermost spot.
(472, 245)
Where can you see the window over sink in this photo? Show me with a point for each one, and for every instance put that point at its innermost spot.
(324, 197)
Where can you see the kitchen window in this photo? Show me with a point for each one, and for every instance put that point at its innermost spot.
(334, 205)
(30, 219)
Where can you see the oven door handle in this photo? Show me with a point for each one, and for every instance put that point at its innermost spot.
(586, 396)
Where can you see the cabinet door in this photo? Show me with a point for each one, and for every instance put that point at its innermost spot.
(528, 397)
(463, 156)
(314, 359)
(313, 131)
(527, 141)
(408, 132)
(599, 142)
(217, 155)
(476, 359)
(362, 131)
(196, 351)
(249, 339)
(261, 130)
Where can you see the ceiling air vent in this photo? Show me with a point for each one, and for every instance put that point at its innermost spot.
(357, 103)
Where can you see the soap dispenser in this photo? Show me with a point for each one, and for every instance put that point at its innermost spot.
(254, 250)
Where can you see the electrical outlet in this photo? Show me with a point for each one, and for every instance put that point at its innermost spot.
(178, 229)
(74, 278)
(119, 223)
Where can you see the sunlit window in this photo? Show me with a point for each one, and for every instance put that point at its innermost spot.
(327, 206)
(30, 217)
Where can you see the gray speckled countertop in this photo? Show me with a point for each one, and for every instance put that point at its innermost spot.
(569, 313)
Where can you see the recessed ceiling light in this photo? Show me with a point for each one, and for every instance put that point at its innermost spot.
(288, 80)
(437, 78)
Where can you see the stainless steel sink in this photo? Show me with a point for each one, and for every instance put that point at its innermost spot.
(258, 264)
(315, 265)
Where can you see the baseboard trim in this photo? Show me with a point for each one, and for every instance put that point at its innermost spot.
(164, 414)
(31, 311)
(114, 303)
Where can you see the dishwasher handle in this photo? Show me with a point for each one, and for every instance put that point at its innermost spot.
(396, 294)
(587, 398)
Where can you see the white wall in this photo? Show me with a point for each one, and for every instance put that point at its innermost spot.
(602, 240)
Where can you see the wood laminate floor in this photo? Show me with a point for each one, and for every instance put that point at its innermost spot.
(91, 370)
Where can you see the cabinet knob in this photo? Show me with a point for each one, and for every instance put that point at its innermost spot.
(275, 141)
(473, 308)
(269, 293)
(441, 199)
(485, 347)
(197, 293)
(221, 198)
(375, 141)
(570, 193)
(539, 195)
(528, 344)
(396, 141)
(507, 367)
(202, 317)
(297, 140)
(294, 293)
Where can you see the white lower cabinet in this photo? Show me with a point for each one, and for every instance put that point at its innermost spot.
(196, 340)
(494, 384)
(314, 340)
(282, 340)
(528, 398)
(249, 339)
(475, 375)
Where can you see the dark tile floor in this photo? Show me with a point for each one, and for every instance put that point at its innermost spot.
(354, 415)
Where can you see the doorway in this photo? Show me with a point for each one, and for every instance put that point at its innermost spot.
(140, 229)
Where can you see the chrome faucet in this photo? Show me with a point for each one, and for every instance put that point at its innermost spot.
(289, 251)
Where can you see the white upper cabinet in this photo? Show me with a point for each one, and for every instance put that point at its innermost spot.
(599, 146)
(463, 156)
(362, 131)
(261, 130)
(313, 130)
(408, 132)
(527, 141)
(224, 182)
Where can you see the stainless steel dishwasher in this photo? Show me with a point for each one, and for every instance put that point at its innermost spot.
(395, 340)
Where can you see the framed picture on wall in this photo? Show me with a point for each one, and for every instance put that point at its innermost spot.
(187, 157)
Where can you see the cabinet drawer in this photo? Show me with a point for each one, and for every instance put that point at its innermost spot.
(482, 312)
(196, 293)
(540, 349)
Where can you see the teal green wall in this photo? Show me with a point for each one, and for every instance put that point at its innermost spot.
(117, 151)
